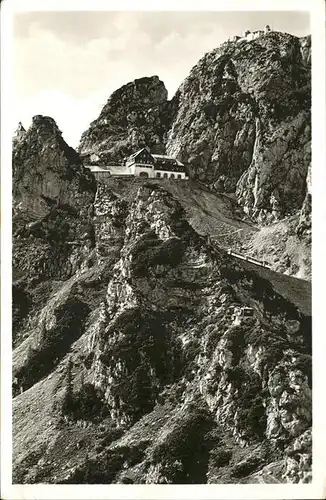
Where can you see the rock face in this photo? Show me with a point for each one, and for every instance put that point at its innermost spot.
(163, 362)
(241, 120)
(52, 198)
(47, 172)
(143, 351)
(135, 116)
(304, 225)
(244, 122)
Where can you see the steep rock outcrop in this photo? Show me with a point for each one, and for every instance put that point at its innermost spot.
(48, 172)
(19, 133)
(243, 122)
(304, 224)
(52, 201)
(173, 382)
(136, 115)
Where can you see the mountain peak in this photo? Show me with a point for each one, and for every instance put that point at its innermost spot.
(19, 132)
(136, 115)
(153, 340)
(45, 126)
(45, 168)
(236, 98)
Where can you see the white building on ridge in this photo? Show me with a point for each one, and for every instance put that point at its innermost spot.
(248, 36)
(144, 164)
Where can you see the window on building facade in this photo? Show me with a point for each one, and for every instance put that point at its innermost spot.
(179, 176)
(165, 176)
(158, 174)
(143, 174)
(172, 176)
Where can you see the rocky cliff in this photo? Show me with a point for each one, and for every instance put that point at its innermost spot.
(52, 205)
(243, 122)
(143, 351)
(157, 358)
(136, 115)
(241, 119)
(304, 225)
(47, 172)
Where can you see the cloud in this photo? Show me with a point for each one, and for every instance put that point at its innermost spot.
(66, 64)
(43, 59)
(72, 115)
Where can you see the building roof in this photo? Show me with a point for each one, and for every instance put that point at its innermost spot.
(157, 159)
(167, 158)
(137, 153)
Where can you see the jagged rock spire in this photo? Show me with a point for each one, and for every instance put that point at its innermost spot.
(46, 170)
(20, 127)
(20, 131)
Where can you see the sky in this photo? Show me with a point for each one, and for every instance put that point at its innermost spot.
(66, 64)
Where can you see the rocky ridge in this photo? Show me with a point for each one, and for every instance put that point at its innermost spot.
(46, 171)
(279, 244)
(244, 122)
(52, 206)
(136, 115)
(241, 120)
(139, 351)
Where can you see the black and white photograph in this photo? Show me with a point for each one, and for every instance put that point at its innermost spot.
(161, 264)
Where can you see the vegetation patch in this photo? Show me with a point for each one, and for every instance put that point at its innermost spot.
(247, 466)
(273, 353)
(236, 342)
(252, 417)
(149, 251)
(21, 304)
(186, 443)
(150, 355)
(220, 457)
(304, 364)
(105, 468)
(70, 319)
